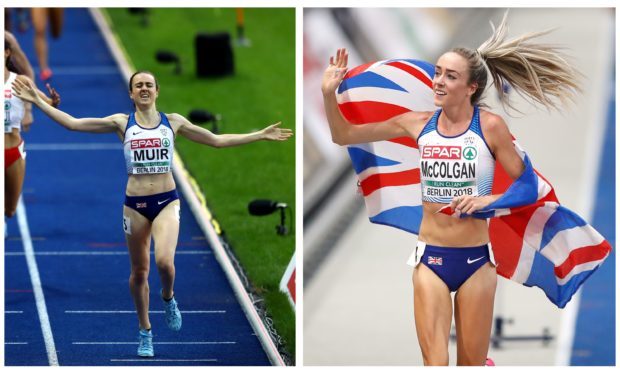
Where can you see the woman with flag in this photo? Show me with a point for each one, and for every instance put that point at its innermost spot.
(459, 145)
(152, 205)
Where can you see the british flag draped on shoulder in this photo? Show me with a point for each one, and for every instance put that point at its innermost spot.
(536, 241)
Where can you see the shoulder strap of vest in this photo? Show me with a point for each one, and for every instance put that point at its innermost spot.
(131, 121)
(164, 120)
(431, 125)
(475, 122)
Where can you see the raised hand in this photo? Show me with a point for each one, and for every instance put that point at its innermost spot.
(275, 133)
(335, 72)
(25, 89)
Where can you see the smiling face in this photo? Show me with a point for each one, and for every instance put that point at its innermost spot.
(451, 81)
(144, 90)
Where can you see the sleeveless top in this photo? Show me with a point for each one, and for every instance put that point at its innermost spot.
(454, 166)
(148, 150)
(13, 106)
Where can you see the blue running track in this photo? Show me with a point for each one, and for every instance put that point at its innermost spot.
(73, 197)
(595, 332)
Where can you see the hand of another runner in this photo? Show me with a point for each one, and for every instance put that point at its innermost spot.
(55, 97)
(470, 204)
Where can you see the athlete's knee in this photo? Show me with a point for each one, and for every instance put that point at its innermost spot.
(139, 275)
(434, 347)
(165, 265)
(39, 31)
(436, 358)
(470, 360)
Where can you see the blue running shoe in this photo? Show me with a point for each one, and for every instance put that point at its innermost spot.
(173, 315)
(145, 348)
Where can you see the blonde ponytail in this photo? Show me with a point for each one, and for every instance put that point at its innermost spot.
(538, 72)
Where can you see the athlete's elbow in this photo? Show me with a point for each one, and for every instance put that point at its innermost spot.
(340, 140)
(217, 143)
(71, 126)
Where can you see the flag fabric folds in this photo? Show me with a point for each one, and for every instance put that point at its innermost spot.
(536, 241)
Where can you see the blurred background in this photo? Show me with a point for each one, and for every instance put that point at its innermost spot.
(358, 294)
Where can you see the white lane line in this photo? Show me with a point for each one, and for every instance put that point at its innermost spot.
(33, 270)
(158, 343)
(13, 312)
(73, 146)
(163, 360)
(95, 253)
(16, 343)
(150, 312)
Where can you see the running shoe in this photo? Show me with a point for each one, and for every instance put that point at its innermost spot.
(145, 348)
(489, 363)
(173, 315)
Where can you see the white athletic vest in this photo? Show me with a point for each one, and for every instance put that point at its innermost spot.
(454, 166)
(148, 150)
(13, 106)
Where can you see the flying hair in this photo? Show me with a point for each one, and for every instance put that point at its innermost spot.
(538, 72)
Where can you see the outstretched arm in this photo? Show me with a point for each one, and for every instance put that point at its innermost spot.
(343, 133)
(24, 88)
(201, 135)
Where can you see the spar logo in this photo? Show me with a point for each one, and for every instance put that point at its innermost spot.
(166, 142)
(146, 143)
(441, 152)
(470, 153)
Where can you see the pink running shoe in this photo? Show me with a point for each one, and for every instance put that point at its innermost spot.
(489, 363)
(45, 75)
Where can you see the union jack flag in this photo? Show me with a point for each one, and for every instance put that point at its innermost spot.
(141, 205)
(435, 260)
(535, 240)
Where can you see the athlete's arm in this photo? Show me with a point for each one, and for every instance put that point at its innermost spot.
(499, 139)
(201, 135)
(343, 133)
(24, 88)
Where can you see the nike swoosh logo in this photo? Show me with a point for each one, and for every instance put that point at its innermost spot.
(472, 261)
(162, 202)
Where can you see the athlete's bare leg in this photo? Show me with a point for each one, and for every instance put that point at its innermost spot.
(138, 236)
(56, 16)
(13, 183)
(474, 316)
(166, 234)
(432, 306)
(39, 22)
